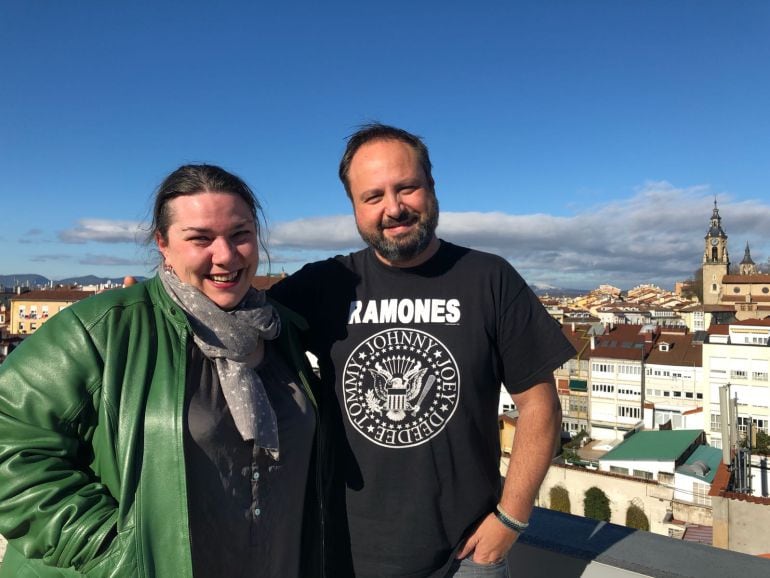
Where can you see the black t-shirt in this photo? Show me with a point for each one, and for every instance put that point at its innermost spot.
(416, 358)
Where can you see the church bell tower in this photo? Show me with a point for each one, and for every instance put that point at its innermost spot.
(716, 261)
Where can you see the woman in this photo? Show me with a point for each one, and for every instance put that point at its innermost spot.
(165, 429)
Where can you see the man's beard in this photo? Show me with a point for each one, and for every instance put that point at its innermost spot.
(408, 246)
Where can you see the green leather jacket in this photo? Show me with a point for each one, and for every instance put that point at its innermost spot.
(92, 467)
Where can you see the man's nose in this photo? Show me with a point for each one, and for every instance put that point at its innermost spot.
(393, 205)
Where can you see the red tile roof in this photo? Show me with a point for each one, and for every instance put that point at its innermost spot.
(53, 295)
(741, 279)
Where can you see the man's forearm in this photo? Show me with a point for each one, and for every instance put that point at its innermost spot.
(537, 429)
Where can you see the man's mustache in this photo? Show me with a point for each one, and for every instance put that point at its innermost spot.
(405, 218)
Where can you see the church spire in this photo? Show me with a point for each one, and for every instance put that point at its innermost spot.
(715, 227)
(747, 266)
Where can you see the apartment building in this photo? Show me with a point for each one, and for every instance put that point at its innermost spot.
(673, 381)
(737, 355)
(572, 378)
(30, 310)
(616, 379)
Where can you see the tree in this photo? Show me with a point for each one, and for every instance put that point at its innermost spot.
(697, 283)
(636, 518)
(560, 499)
(762, 443)
(596, 505)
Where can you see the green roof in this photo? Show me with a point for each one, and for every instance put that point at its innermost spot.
(702, 464)
(654, 445)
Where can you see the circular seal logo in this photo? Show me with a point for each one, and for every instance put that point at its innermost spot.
(401, 387)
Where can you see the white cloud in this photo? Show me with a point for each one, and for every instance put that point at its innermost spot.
(334, 233)
(102, 231)
(107, 260)
(656, 236)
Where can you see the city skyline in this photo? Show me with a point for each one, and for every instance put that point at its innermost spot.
(585, 143)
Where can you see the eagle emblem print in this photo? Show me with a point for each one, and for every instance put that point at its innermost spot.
(401, 387)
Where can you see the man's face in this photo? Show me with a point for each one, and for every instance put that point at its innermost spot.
(395, 207)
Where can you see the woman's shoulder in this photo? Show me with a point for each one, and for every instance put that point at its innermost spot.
(141, 295)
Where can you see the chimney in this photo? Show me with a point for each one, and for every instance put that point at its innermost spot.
(573, 327)
(593, 342)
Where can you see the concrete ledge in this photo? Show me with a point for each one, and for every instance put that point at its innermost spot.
(563, 545)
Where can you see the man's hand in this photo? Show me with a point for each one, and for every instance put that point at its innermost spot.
(489, 542)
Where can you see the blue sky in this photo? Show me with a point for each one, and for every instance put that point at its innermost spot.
(584, 141)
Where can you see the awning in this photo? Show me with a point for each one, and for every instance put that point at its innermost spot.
(578, 385)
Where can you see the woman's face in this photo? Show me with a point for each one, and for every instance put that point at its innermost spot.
(212, 244)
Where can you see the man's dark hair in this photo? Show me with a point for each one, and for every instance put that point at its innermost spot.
(377, 131)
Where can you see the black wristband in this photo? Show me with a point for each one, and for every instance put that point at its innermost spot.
(510, 522)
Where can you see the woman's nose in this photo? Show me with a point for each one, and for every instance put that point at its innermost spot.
(223, 251)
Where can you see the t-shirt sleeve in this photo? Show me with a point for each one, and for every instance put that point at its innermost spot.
(530, 342)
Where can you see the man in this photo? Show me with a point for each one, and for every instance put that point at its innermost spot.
(414, 336)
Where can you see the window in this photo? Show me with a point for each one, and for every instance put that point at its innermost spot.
(619, 470)
(765, 290)
(688, 394)
(22, 312)
(738, 374)
(759, 375)
(743, 425)
(44, 311)
(32, 326)
(665, 478)
(602, 367)
(700, 494)
(698, 396)
(630, 369)
(677, 394)
(716, 422)
(578, 404)
(630, 412)
(643, 474)
(602, 388)
(736, 289)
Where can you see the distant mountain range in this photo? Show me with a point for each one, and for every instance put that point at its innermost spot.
(556, 291)
(33, 280)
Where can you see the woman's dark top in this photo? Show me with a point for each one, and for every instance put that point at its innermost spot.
(246, 509)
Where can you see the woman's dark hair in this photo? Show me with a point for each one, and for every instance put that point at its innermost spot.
(376, 131)
(195, 179)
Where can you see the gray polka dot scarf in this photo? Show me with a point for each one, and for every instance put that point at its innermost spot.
(229, 339)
